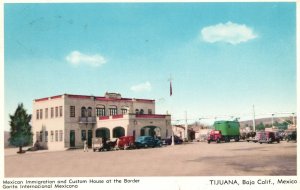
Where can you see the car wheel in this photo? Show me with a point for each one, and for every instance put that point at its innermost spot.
(146, 146)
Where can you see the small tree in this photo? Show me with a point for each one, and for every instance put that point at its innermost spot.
(261, 126)
(20, 131)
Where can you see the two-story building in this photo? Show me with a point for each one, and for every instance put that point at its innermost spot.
(65, 121)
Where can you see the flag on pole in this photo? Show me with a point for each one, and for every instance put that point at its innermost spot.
(171, 88)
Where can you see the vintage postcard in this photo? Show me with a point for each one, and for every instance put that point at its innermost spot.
(149, 95)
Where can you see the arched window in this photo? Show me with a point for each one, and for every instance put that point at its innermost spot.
(137, 111)
(89, 112)
(113, 110)
(141, 111)
(83, 112)
(100, 110)
(124, 110)
(118, 132)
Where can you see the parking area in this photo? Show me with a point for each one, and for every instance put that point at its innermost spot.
(192, 159)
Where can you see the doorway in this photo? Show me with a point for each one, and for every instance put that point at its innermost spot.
(72, 138)
(90, 136)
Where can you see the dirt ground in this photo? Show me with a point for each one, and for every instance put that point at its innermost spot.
(193, 159)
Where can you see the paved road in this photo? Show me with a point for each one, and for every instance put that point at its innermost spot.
(194, 159)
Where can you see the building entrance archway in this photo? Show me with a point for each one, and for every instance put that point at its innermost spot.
(103, 133)
(118, 132)
(153, 131)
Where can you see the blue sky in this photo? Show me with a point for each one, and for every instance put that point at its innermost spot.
(223, 57)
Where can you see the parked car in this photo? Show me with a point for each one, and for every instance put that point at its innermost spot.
(255, 136)
(291, 136)
(168, 141)
(147, 141)
(267, 137)
(97, 144)
(126, 142)
(37, 146)
(104, 144)
(279, 135)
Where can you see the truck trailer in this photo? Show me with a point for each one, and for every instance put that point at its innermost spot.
(229, 129)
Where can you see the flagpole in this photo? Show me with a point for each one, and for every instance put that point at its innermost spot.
(171, 93)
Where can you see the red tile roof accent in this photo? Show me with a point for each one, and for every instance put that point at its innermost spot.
(124, 99)
(54, 97)
(100, 98)
(103, 117)
(149, 116)
(145, 100)
(41, 99)
(78, 96)
(117, 116)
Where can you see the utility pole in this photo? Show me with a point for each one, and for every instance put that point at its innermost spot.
(272, 120)
(294, 123)
(253, 119)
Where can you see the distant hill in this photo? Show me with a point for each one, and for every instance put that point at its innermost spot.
(266, 121)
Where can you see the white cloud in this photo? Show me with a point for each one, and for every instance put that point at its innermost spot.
(78, 58)
(142, 87)
(229, 33)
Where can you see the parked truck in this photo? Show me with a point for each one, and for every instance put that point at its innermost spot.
(229, 130)
(214, 135)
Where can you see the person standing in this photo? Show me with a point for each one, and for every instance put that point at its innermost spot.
(85, 146)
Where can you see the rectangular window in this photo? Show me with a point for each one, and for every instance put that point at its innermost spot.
(72, 111)
(46, 113)
(60, 111)
(46, 136)
(56, 135)
(149, 111)
(113, 111)
(41, 114)
(52, 136)
(56, 111)
(60, 135)
(124, 111)
(37, 114)
(41, 136)
(83, 135)
(100, 111)
(37, 136)
(52, 112)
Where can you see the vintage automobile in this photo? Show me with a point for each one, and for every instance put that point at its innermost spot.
(37, 146)
(168, 141)
(104, 144)
(267, 137)
(126, 142)
(214, 135)
(291, 136)
(147, 141)
(96, 144)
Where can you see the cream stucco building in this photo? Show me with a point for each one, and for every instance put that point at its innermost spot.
(65, 121)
